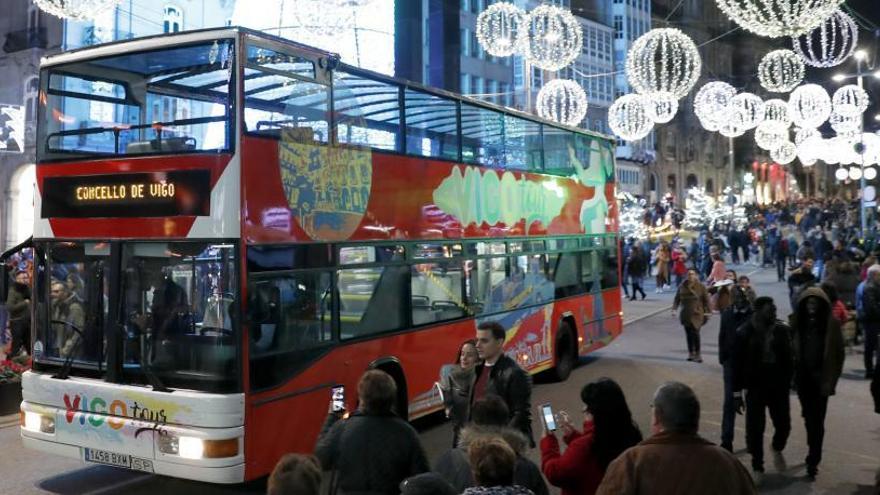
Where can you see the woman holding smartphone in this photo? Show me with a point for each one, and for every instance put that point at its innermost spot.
(608, 430)
(456, 382)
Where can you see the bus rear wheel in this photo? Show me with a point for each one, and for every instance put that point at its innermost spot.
(566, 352)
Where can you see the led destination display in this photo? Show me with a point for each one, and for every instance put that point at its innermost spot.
(161, 194)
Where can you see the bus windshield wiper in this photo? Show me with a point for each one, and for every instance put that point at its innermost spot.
(68, 361)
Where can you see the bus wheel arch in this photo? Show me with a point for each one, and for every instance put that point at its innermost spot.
(392, 366)
(565, 351)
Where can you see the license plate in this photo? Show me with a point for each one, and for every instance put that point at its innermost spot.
(118, 460)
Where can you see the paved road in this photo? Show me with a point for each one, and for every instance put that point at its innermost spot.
(650, 352)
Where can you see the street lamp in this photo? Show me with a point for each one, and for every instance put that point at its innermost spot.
(854, 173)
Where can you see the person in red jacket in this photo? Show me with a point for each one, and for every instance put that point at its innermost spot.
(608, 430)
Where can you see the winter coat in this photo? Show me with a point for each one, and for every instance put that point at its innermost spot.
(510, 382)
(453, 465)
(71, 311)
(799, 280)
(871, 304)
(749, 370)
(875, 391)
(672, 463)
(457, 394)
(370, 453)
(678, 262)
(825, 375)
(731, 320)
(845, 279)
(577, 471)
(18, 302)
(694, 302)
(497, 490)
(636, 263)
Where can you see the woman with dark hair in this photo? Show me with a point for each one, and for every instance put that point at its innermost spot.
(608, 430)
(456, 382)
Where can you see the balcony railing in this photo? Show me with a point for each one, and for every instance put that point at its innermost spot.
(25, 39)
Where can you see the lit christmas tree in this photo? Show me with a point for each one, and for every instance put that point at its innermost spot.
(632, 217)
(700, 211)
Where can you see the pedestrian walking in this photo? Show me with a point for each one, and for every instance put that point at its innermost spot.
(662, 256)
(676, 460)
(679, 265)
(18, 304)
(781, 255)
(801, 278)
(763, 367)
(732, 318)
(608, 430)
(693, 299)
(456, 382)
(373, 450)
(500, 375)
(489, 418)
(870, 304)
(637, 265)
(818, 350)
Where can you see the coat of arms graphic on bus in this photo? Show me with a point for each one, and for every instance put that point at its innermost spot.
(327, 188)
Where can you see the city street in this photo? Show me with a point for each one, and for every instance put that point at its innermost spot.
(650, 352)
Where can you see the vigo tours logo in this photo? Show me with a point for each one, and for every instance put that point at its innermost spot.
(95, 411)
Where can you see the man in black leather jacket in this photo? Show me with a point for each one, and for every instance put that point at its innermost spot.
(500, 375)
(733, 317)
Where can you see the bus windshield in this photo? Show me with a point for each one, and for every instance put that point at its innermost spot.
(177, 312)
(170, 100)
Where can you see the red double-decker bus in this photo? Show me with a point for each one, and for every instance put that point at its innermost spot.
(230, 224)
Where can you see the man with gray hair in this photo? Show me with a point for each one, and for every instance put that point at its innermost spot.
(868, 314)
(675, 460)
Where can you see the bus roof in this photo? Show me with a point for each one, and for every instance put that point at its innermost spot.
(162, 40)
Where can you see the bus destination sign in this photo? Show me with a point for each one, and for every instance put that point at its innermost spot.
(157, 194)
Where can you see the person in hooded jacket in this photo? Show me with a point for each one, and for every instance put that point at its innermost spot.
(608, 430)
(489, 419)
(818, 349)
(693, 299)
(732, 318)
(18, 303)
(762, 365)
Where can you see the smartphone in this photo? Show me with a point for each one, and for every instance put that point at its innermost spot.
(549, 419)
(337, 398)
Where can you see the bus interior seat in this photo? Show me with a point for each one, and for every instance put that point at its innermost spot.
(183, 143)
(446, 310)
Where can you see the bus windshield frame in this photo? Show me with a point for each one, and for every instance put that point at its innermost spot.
(172, 100)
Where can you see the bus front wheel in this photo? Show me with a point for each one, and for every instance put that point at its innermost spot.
(566, 352)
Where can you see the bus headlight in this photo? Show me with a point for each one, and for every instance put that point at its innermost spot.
(197, 448)
(38, 423)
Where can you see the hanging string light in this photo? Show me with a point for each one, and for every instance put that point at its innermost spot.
(76, 10)
(554, 37)
(850, 100)
(775, 18)
(563, 101)
(663, 60)
(711, 103)
(784, 153)
(769, 135)
(829, 44)
(661, 106)
(748, 109)
(776, 113)
(809, 105)
(501, 29)
(628, 118)
(780, 71)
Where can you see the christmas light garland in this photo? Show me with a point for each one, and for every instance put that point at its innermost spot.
(501, 29)
(780, 71)
(775, 18)
(554, 37)
(628, 118)
(661, 60)
(563, 101)
(829, 44)
(809, 105)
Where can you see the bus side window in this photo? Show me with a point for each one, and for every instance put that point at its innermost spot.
(610, 276)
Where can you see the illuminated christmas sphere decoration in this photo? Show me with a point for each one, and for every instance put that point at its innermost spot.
(320, 19)
(780, 71)
(628, 118)
(553, 37)
(855, 173)
(769, 135)
(663, 60)
(809, 105)
(776, 113)
(809, 162)
(501, 29)
(850, 100)
(775, 18)
(76, 10)
(845, 124)
(711, 102)
(731, 129)
(662, 107)
(829, 44)
(563, 101)
(870, 173)
(804, 134)
(784, 153)
(749, 109)
(841, 174)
